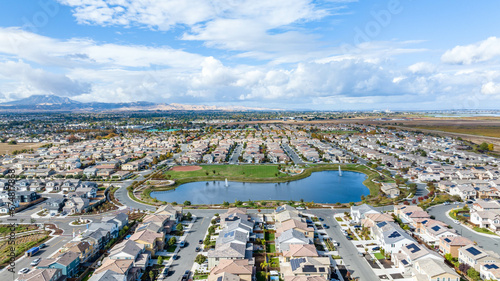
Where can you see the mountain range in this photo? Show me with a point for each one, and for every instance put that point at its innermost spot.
(56, 103)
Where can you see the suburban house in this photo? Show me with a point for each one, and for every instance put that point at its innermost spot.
(390, 189)
(67, 262)
(359, 212)
(391, 237)
(289, 237)
(45, 274)
(490, 271)
(433, 270)
(152, 241)
(475, 256)
(241, 269)
(450, 245)
(306, 266)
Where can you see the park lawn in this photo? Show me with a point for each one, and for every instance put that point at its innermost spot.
(230, 172)
(379, 256)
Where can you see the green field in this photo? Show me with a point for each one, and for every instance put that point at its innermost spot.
(379, 256)
(233, 172)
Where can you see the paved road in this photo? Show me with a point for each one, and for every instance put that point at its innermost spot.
(122, 195)
(188, 254)
(356, 264)
(292, 154)
(484, 241)
(236, 154)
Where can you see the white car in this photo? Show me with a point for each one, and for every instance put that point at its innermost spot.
(456, 221)
(23, 270)
(35, 262)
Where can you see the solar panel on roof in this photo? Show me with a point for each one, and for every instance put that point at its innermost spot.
(404, 262)
(473, 251)
(436, 228)
(414, 248)
(490, 266)
(309, 268)
(447, 240)
(229, 234)
(321, 269)
(295, 263)
(381, 224)
(394, 234)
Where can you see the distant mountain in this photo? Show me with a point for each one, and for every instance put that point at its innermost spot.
(56, 103)
(42, 100)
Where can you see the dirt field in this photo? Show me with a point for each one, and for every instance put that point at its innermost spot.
(8, 148)
(186, 168)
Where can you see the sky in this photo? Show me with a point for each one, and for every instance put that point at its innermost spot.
(288, 54)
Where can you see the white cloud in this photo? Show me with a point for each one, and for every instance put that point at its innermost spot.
(422, 67)
(490, 88)
(78, 51)
(41, 81)
(473, 53)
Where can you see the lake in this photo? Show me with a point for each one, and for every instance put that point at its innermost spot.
(320, 187)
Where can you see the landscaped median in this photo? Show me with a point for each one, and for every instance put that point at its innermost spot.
(247, 173)
(455, 214)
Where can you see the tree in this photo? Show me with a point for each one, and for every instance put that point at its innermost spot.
(151, 275)
(179, 227)
(225, 204)
(172, 241)
(189, 216)
(491, 147)
(483, 147)
(187, 203)
(472, 273)
(463, 267)
(160, 260)
(200, 259)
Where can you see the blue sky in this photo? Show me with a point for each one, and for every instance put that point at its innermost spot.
(292, 54)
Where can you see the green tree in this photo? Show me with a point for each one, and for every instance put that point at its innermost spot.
(187, 203)
(160, 260)
(179, 227)
(172, 241)
(483, 147)
(491, 147)
(472, 273)
(225, 204)
(151, 275)
(200, 259)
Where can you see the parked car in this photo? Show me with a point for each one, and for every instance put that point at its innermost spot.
(35, 262)
(175, 257)
(200, 242)
(182, 244)
(446, 203)
(198, 249)
(349, 237)
(375, 248)
(321, 219)
(42, 246)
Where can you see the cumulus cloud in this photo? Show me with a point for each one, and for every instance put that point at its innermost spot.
(77, 51)
(42, 81)
(490, 88)
(422, 67)
(473, 53)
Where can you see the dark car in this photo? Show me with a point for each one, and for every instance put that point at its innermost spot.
(175, 257)
(200, 242)
(198, 249)
(326, 226)
(42, 246)
(375, 248)
(349, 237)
(321, 219)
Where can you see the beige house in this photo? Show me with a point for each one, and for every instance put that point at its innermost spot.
(450, 245)
(433, 270)
(240, 268)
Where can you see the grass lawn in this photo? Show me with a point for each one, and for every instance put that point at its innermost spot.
(269, 236)
(230, 172)
(200, 276)
(379, 256)
(271, 248)
(483, 230)
(275, 262)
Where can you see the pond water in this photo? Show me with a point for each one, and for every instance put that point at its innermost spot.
(320, 187)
